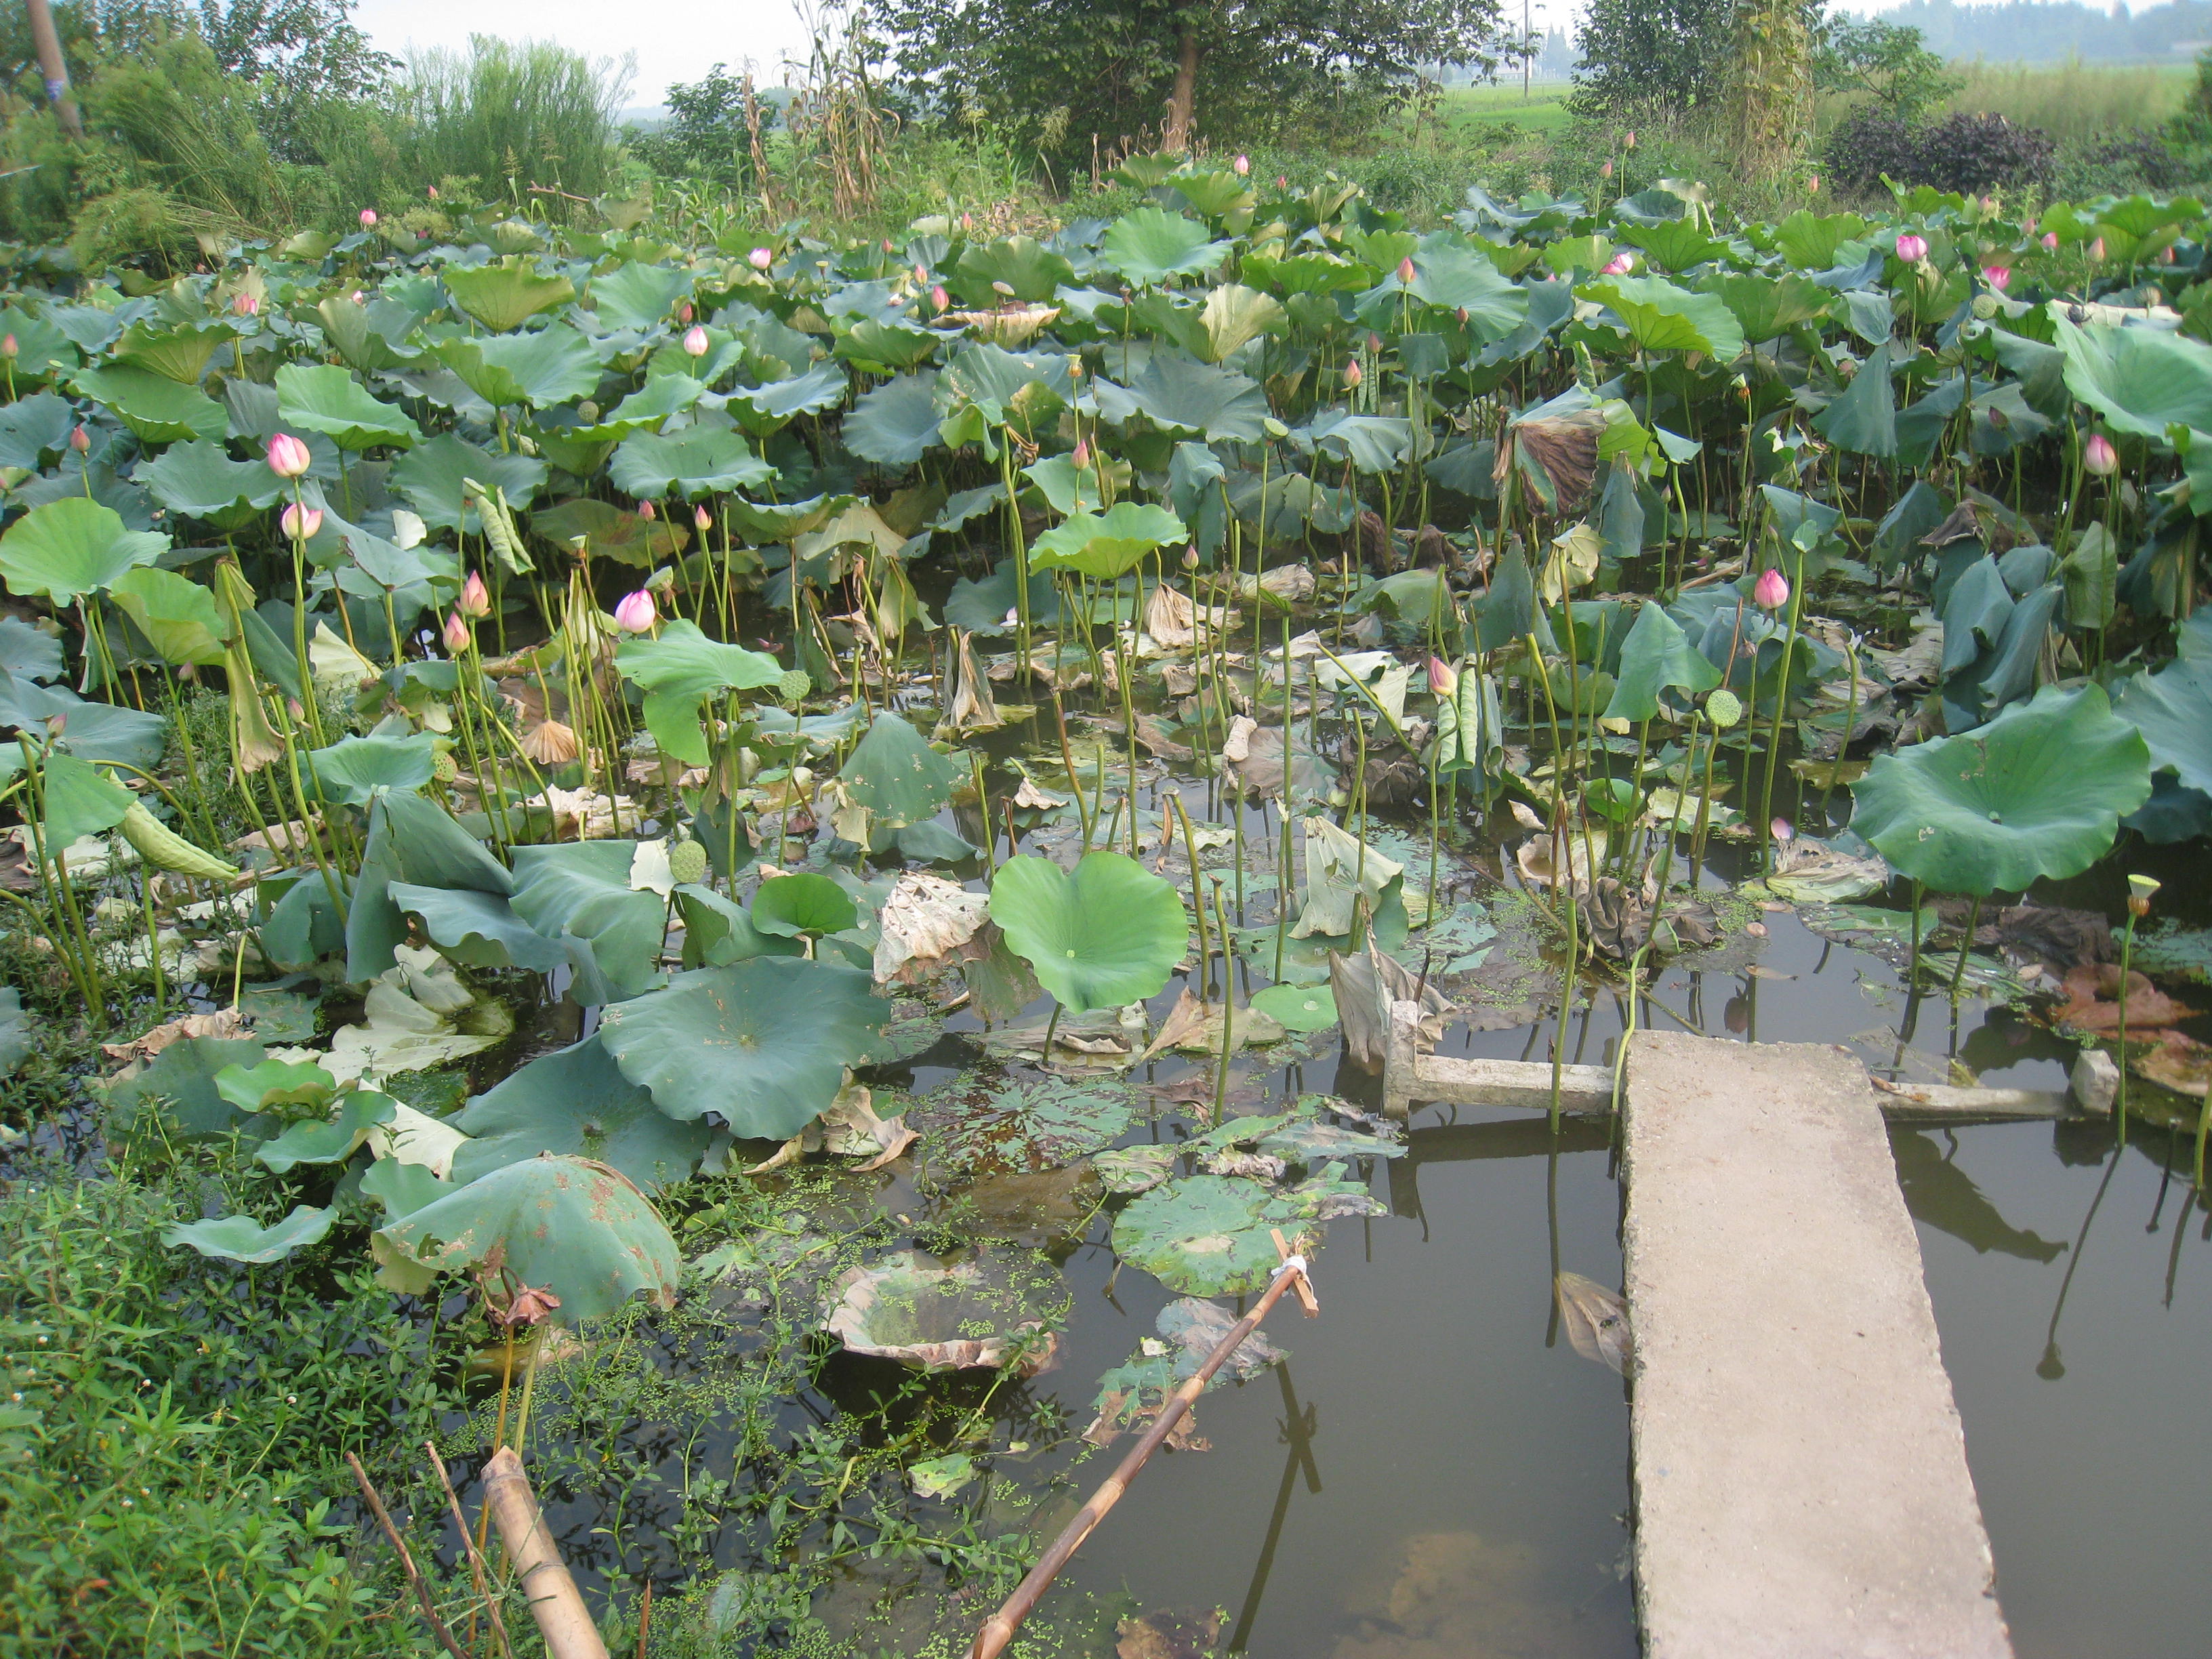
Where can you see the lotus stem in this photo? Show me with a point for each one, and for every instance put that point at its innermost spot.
(1966, 944)
(1774, 732)
(1197, 897)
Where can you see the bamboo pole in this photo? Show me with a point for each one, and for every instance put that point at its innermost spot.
(53, 67)
(555, 1602)
(998, 1630)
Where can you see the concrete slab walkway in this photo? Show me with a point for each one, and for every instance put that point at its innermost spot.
(1801, 1480)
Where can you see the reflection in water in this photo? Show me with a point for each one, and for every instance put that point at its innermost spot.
(1460, 1595)
(1941, 1194)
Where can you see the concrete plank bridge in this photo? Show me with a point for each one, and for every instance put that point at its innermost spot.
(1800, 1471)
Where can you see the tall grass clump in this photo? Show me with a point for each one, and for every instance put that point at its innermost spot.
(2071, 99)
(509, 114)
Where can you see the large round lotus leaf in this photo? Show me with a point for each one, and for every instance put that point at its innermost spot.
(677, 671)
(980, 1310)
(1658, 656)
(176, 614)
(638, 295)
(582, 890)
(896, 775)
(1019, 1124)
(1662, 316)
(69, 548)
(614, 533)
(567, 1224)
(80, 800)
(1186, 396)
(435, 481)
(647, 408)
(1152, 244)
(1106, 545)
(762, 1044)
(2173, 709)
(325, 398)
(761, 410)
(803, 903)
(551, 366)
(155, 407)
(505, 297)
(478, 930)
(202, 481)
(1208, 1234)
(1030, 271)
(699, 462)
(1109, 934)
(179, 352)
(576, 1100)
(182, 1077)
(1459, 279)
(240, 1238)
(2037, 794)
(895, 424)
(2142, 380)
(352, 770)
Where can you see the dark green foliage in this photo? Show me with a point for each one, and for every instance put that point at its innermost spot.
(1966, 153)
(705, 136)
(1670, 57)
(1888, 65)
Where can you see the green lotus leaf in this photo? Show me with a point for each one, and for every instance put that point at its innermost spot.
(410, 840)
(718, 930)
(182, 1077)
(1180, 395)
(505, 296)
(158, 409)
(896, 775)
(1110, 933)
(2142, 380)
(1106, 545)
(1457, 278)
(1298, 1007)
(576, 1101)
(1766, 306)
(803, 903)
(678, 671)
(581, 891)
(1025, 391)
(333, 1140)
(177, 351)
(1019, 1124)
(16, 1036)
(201, 481)
(325, 398)
(366, 338)
(763, 410)
(763, 1045)
(478, 930)
(2173, 707)
(886, 345)
(895, 425)
(28, 653)
(1209, 1234)
(177, 616)
(241, 1238)
(2036, 794)
(275, 1082)
(1658, 656)
(1662, 316)
(1152, 245)
(98, 731)
(40, 346)
(34, 430)
(1862, 420)
(639, 296)
(567, 1224)
(353, 770)
(644, 409)
(1375, 444)
(80, 800)
(1676, 244)
(550, 366)
(699, 462)
(434, 478)
(613, 533)
(67, 549)
(1031, 272)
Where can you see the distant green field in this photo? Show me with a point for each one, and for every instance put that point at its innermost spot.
(1544, 109)
(2075, 100)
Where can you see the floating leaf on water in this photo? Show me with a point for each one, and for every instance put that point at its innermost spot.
(2177, 1061)
(1108, 934)
(1130, 1170)
(2092, 1002)
(1209, 1234)
(1190, 1329)
(981, 1311)
(1339, 871)
(927, 925)
(1596, 1320)
(1808, 872)
(941, 1477)
(1022, 1123)
(1298, 1007)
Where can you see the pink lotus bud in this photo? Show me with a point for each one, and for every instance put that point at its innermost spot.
(357, 297)
(1619, 265)
(1241, 166)
(966, 221)
(1630, 140)
(921, 275)
(1375, 344)
(1997, 277)
(2050, 240)
(10, 349)
(1813, 184)
(683, 312)
(1282, 181)
(2099, 457)
(56, 724)
(1405, 272)
(702, 518)
(289, 457)
(301, 524)
(81, 440)
(368, 218)
(1352, 377)
(887, 245)
(1912, 249)
(694, 341)
(635, 613)
(2165, 254)
(1606, 171)
(1443, 680)
(760, 258)
(1772, 592)
(244, 305)
(646, 510)
(1989, 204)
(1783, 830)
(938, 299)
(1190, 557)
(475, 598)
(1461, 314)
(1082, 456)
(456, 634)
(434, 192)
(2097, 250)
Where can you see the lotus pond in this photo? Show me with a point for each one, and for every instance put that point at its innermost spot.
(787, 843)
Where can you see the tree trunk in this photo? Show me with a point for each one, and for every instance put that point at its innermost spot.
(1183, 99)
(1770, 97)
(53, 68)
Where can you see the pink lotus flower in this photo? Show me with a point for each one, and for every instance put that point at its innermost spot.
(1997, 277)
(646, 510)
(1629, 142)
(2050, 241)
(301, 524)
(1352, 377)
(2099, 457)
(1282, 181)
(2097, 250)
(81, 440)
(938, 299)
(760, 258)
(244, 305)
(368, 218)
(10, 349)
(695, 342)
(1813, 184)
(456, 634)
(1081, 458)
(475, 598)
(289, 457)
(1772, 591)
(1912, 249)
(1443, 680)
(683, 312)
(1240, 166)
(635, 613)
(1406, 271)
(1619, 265)
(1783, 830)
(434, 192)
(1606, 171)
(921, 275)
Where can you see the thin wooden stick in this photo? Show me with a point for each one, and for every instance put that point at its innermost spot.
(562, 1619)
(998, 1630)
(476, 1568)
(406, 1561)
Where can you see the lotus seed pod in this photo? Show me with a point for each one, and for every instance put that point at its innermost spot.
(444, 767)
(1724, 708)
(687, 862)
(795, 683)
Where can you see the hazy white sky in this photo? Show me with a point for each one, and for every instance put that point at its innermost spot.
(673, 39)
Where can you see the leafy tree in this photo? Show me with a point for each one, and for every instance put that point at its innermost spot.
(1888, 65)
(705, 136)
(1653, 56)
(1065, 74)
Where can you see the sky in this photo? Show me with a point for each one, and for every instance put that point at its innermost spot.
(673, 39)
